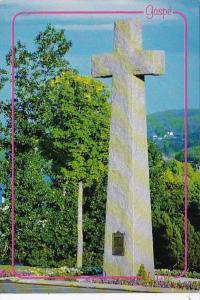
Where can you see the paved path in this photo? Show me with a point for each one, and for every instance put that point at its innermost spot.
(10, 287)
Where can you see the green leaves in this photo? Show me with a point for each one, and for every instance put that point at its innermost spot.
(61, 137)
(167, 199)
(79, 127)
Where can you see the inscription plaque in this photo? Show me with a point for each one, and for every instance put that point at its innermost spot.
(118, 243)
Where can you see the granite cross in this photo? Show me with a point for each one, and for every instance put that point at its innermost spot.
(128, 229)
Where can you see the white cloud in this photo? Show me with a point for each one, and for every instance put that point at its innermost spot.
(14, 6)
(84, 4)
(94, 4)
(86, 27)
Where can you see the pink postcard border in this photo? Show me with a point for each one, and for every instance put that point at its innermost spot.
(14, 273)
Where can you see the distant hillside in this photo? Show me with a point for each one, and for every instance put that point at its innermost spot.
(166, 129)
(161, 122)
(193, 156)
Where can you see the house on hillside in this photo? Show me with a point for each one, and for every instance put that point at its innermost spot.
(169, 133)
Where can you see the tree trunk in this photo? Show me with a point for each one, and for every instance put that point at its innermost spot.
(80, 226)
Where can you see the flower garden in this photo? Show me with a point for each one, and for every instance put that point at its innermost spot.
(164, 278)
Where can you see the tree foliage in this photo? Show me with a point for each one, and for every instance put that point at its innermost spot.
(61, 137)
(167, 196)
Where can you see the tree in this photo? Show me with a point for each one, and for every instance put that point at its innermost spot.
(32, 71)
(79, 132)
(167, 199)
(40, 216)
(157, 183)
(50, 99)
(78, 129)
(94, 222)
(168, 246)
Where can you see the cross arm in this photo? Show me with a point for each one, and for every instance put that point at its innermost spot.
(102, 65)
(153, 62)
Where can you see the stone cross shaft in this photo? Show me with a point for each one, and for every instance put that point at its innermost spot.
(128, 208)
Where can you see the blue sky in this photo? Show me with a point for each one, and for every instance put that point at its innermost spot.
(94, 34)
